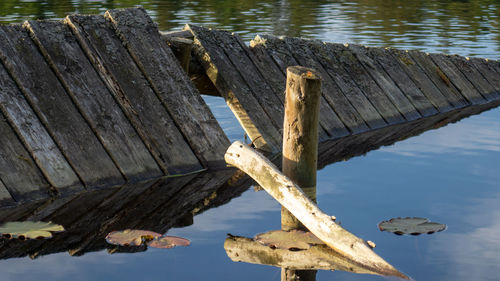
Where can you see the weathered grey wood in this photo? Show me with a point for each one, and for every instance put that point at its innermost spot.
(181, 47)
(421, 81)
(134, 93)
(347, 85)
(280, 53)
(18, 172)
(439, 78)
(5, 197)
(475, 77)
(249, 112)
(365, 82)
(35, 137)
(395, 73)
(301, 51)
(300, 135)
(458, 79)
(55, 109)
(385, 83)
(268, 176)
(488, 71)
(142, 39)
(93, 99)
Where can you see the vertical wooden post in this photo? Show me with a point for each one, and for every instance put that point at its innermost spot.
(300, 145)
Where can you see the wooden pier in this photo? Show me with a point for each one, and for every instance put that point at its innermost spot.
(370, 96)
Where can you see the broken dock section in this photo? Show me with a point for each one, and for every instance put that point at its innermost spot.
(370, 96)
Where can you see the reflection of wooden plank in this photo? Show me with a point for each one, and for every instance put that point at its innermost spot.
(93, 99)
(139, 102)
(385, 83)
(35, 137)
(421, 102)
(251, 115)
(280, 53)
(440, 80)
(365, 82)
(18, 171)
(475, 77)
(301, 51)
(458, 79)
(422, 82)
(56, 110)
(142, 39)
(347, 85)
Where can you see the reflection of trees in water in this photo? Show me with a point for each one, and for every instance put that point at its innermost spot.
(383, 21)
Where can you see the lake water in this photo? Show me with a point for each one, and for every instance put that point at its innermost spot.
(448, 175)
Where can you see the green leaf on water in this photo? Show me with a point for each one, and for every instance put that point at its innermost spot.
(288, 240)
(413, 226)
(23, 230)
(130, 237)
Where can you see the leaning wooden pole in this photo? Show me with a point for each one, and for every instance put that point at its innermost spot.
(300, 146)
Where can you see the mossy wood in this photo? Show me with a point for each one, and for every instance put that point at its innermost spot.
(290, 196)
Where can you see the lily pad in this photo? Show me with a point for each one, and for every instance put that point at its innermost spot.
(288, 240)
(131, 237)
(413, 226)
(29, 229)
(166, 242)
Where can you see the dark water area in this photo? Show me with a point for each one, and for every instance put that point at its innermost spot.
(448, 175)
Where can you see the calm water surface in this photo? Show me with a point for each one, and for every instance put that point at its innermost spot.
(449, 175)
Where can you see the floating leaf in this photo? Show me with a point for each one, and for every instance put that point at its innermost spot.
(413, 226)
(289, 240)
(130, 237)
(166, 242)
(29, 229)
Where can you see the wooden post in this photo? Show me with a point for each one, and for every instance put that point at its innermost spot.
(300, 146)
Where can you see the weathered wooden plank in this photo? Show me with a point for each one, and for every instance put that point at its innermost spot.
(439, 78)
(5, 197)
(395, 73)
(488, 71)
(55, 109)
(385, 83)
(93, 99)
(458, 79)
(35, 137)
(328, 118)
(365, 82)
(273, 74)
(257, 85)
(249, 112)
(301, 51)
(347, 85)
(136, 97)
(18, 172)
(185, 105)
(475, 77)
(421, 81)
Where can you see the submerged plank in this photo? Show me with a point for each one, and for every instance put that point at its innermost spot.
(394, 71)
(347, 85)
(18, 172)
(142, 39)
(229, 82)
(402, 103)
(365, 82)
(458, 79)
(35, 137)
(134, 93)
(421, 81)
(93, 99)
(55, 109)
(301, 51)
(328, 118)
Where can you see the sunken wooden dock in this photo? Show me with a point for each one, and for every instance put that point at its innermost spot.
(370, 96)
(97, 101)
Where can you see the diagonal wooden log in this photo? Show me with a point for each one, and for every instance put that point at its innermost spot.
(290, 196)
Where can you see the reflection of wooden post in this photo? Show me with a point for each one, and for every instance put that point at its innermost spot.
(300, 146)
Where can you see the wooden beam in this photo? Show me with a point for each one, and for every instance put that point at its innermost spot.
(285, 191)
